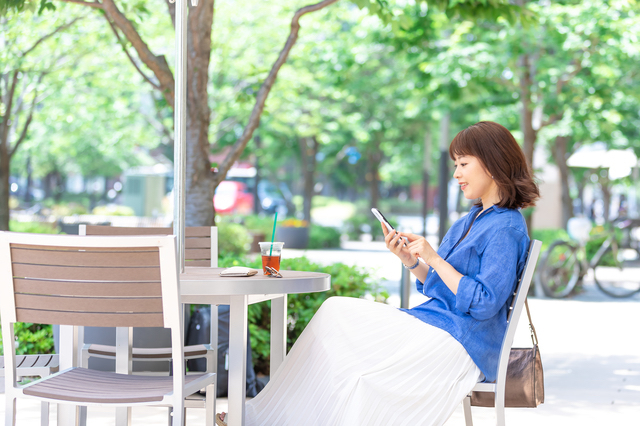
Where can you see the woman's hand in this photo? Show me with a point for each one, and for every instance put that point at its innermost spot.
(395, 244)
(420, 247)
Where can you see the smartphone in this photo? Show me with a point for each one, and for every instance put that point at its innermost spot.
(382, 219)
(386, 223)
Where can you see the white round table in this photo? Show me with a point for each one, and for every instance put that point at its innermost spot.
(204, 285)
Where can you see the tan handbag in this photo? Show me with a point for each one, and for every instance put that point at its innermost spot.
(525, 379)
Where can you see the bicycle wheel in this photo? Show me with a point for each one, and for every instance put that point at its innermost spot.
(560, 269)
(617, 272)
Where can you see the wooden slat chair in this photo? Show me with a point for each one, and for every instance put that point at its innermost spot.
(201, 249)
(96, 281)
(33, 366)
(520, 295)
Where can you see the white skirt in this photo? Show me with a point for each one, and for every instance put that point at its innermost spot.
(364, 363)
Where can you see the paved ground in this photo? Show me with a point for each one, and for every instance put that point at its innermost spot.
(589, 345)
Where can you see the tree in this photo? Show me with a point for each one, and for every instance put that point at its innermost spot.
(26, 62)
(200, 180)
(125, 21)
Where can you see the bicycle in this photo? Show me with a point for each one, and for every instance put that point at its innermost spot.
(615, 265)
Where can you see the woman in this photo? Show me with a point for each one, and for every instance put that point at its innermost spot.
(365, 363)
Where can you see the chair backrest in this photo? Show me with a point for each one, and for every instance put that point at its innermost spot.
(95, 281)
(515, 310)
(103, 281)
(201, 242)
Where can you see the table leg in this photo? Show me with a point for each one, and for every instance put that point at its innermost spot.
(237, 359)
(124, 364)
(67, 414)
(278, 332)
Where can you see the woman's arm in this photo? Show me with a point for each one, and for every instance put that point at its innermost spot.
(420, 247)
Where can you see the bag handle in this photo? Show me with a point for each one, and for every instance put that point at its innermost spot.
(534, 336)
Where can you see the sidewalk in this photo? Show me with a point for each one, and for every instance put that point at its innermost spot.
(589, 346)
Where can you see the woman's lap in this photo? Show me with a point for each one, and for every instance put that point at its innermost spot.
(364, 363)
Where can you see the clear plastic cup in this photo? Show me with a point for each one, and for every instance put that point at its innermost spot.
(271, 255)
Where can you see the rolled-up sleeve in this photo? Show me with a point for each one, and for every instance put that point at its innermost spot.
(482, 296)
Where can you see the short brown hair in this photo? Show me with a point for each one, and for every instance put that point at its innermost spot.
(502, 157)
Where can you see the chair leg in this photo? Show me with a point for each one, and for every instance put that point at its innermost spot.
(10, 411)
(82, 415)
(210, 404)
(466, 405)
(44, 414)
(178, 415)
(500, 420)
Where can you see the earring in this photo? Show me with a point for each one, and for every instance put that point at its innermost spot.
(491, 177)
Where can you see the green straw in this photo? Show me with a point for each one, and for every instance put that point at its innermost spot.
(273, 234)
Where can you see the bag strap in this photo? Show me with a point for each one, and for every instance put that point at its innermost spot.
(534, 336)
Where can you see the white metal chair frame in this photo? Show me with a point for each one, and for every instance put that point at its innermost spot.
(520, 295)
(170, 316)
(33, 366)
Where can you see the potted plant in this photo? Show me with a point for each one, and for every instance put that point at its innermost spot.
(294, 233)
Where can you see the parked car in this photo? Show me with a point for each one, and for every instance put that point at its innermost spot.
(232, 197)
(272, 198)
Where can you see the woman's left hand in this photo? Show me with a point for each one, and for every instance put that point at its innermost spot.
(420, 247)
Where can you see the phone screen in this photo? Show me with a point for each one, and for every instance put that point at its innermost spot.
(382, 219)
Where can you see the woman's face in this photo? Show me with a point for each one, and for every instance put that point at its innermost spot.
(475, 182)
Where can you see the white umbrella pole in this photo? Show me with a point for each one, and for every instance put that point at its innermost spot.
(180, 129)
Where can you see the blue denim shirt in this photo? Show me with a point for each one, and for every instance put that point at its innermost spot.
(491, 258)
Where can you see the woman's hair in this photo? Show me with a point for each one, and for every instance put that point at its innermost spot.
(502, 157)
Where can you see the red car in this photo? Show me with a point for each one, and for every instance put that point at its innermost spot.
(232, 198)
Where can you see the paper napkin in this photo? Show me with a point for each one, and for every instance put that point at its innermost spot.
(238, 271)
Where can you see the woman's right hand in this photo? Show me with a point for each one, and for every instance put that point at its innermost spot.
(395, 244)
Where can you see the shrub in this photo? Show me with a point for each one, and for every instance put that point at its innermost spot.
(233, 240)
(33, 227)
(113, 210)
(68, 209)
(548, 236)
(31, 338)
(323, 237)
(366, 223)
(359, 224)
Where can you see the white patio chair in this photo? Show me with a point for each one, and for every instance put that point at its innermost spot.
(201, 249)
(33, 366)
(498, 387)
(96, 281)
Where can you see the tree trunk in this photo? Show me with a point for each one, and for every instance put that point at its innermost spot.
(199, 178)
(560, 157)
(256, 199)
(308, 153)
(29, 183)
(4, 187)
(605, 184)
(373, 176)
(526, 122)
(443, 177)
(426, 167)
